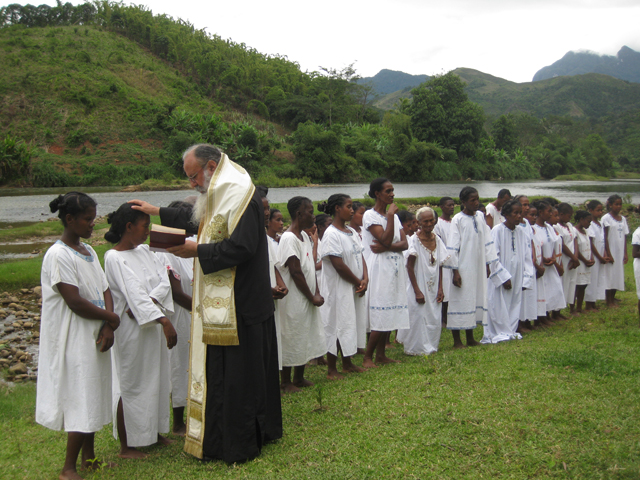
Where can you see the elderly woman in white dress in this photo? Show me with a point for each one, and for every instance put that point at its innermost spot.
(74, 377)
(142, 298)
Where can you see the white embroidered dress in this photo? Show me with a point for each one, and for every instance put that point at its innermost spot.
(529, 310)
(551, 248)
(140, 355)
(74, 377)
(538, 245)
(584, 246)
(568, 234)
(344, 312)
(512, 247)
(300, 321)
(387, 292)
(596, 289)
(423, 335)
(618, 230)
(443, 230)
(471, 249)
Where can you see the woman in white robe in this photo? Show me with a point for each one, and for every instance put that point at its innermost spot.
(425, 288)
(275, 224)
(507, 279)
(384, 241)
(142, 298)
(596, 289)
(529, 309)
(76, 334)
(616, 231)
(300, 321)
(570, 261)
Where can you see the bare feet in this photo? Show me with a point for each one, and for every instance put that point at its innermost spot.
(304, 383)
(385, 360)
(352, 369)
(458, 345)
(179, 430)
(334, 376)
(289, 388)
(164, 441)
(70, 475)
(472, 343)
(368, 363)
(130, 452)
(321, 361)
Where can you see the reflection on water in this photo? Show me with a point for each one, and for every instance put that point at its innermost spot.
(33, 204)
(20, 251)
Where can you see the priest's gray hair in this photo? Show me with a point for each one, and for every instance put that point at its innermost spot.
(204, 153)
(425, 210)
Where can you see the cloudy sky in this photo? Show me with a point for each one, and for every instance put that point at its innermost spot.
(511, 39)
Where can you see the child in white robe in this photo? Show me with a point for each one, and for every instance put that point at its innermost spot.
(472, 251)
(585, 255)
(300, 321)
(493, 215)
(556, 296)
(275, 224)
(596, 289)
(384, 241)
(344, 284)
(529, 308)
(142, 296)
(409, 227)
(570, 260)
(427, 254)
(443, 230)
(76, 333)
(616, 231)
(507, 279)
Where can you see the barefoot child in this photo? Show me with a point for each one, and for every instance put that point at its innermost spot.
(443, 230)
(585, 255)
(384, 241)
(180, 277)
(570, 261)
(596, 289)
(554, 296)
(507, 277)
(409, 227)
(529, 309)
(300, 322)
(275, 225)
(471, 248)
(427, 254)
(615, 244)
(141, 296)
(344, 284)
(77, 329)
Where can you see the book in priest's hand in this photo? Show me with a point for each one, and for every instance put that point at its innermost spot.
(161, 238)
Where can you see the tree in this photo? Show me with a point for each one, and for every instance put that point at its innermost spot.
(504, 135)
(442, 113)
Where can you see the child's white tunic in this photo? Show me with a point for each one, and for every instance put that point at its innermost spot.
(551, 248)
(300, 322)
(584, 246)
(74, 377)
(443, 230)
(538, 244)
(387, 292)
(140, 355)
(614, 272)
(181, 320)
(272, 244)
(423, 335)
(595, 290)
(568, 234)
(496, 214)
(529, 310)
(344, 312)
(471, 249)
(512, 247)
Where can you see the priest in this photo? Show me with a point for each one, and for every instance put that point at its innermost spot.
(234, 396)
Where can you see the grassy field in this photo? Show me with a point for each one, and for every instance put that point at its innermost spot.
(560, 403)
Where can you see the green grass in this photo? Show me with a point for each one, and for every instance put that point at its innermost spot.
(561, 403)
(628, 175)
(580, 176)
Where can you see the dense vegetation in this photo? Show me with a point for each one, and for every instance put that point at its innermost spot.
(108, 94)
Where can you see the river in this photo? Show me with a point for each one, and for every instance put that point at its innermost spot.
(32, 205)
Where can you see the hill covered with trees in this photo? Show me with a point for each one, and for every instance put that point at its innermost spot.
(109, 94)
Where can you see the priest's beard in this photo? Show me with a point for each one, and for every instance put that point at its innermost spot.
(200, 207)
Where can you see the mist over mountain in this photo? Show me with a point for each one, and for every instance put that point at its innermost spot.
(387, 81)
(625, 65)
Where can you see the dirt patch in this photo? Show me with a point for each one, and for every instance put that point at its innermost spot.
(55, 149)
(285, 155)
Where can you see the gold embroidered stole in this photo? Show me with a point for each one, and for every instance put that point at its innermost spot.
(213, 317)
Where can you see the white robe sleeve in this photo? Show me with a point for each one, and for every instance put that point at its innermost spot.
(498, 274)
(453, 246)
(126, 281)
(62, 270)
